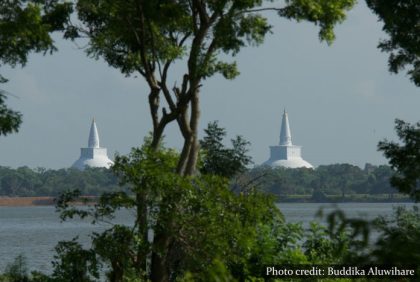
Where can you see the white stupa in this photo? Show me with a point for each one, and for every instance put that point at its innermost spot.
(286, 154)
(93, 155)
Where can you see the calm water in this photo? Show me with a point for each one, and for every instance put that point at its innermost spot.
(34, 231)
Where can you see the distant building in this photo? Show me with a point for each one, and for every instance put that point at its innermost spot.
(93, 155)
(286, 154)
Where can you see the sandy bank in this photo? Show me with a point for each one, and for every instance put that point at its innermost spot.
(26, 201)
(39, 201)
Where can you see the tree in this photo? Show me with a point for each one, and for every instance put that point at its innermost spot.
(9, 119)
(404, 158)
(26, 182)
(25, 26)
(213, 223)
(73, 263)
(385, 240)
(219, 160)
(149, 37)
(398, 238)
(401, 23)
(381, 184)
(18, 270)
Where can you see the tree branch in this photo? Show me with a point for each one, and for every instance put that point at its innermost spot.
(164, 87)
(260, 10)
(182, 41)
(202, 13)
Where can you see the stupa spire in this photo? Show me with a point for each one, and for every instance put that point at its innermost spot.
(93, 136)
(285, 136)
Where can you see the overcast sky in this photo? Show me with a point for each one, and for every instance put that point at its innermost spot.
(341, 99)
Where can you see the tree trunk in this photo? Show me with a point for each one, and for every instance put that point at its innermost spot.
(117, 273)
(194, 149)
(161, 270)
(160, 267)
(142, 218)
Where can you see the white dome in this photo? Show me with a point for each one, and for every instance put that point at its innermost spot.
(289, 163)
(95, 162)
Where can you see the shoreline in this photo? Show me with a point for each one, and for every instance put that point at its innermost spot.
(335, 201)
(26, 201)
(39, 201)
(50, 201)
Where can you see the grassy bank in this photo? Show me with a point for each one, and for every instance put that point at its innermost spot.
(352, 198)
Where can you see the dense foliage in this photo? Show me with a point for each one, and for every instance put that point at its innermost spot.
(219, 160)
(25, 26)
(401, 23)
(344, 241)
(336, 179)
(26, 182)
(212, 223)
(9, 119)
(405, 158)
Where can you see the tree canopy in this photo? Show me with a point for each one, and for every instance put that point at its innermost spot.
(25, 26)
(219, 160)
(9, 119)
(26, 182)
(401, 23)
(405, 158)
(211, 221)
(282, 183)
(335, 180)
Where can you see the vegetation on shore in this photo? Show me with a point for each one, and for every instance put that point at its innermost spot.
(328, 183)
(26, 182)
(354, 198)
(336, 182)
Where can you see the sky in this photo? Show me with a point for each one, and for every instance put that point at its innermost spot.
(341, 99)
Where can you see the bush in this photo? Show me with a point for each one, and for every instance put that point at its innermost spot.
(17, 271)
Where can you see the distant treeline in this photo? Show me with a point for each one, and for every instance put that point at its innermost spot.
(337, 179)
(27, 182)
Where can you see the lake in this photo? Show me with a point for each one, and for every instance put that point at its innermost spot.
(34, 231)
